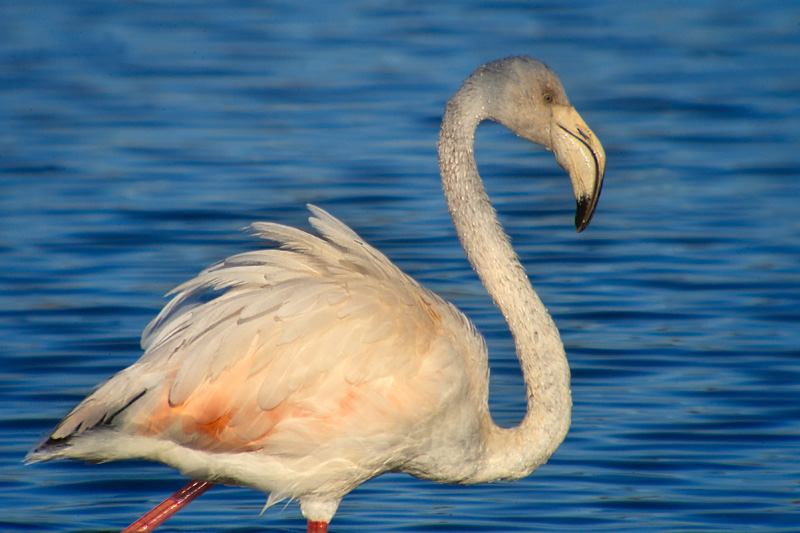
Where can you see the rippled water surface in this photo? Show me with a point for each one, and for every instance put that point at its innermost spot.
(138, 138)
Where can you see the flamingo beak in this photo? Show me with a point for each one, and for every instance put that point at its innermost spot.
(579, 153)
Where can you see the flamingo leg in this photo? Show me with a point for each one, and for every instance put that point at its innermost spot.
(169, 507)
(317, 527)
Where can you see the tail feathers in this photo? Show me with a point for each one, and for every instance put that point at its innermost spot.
(90, 414)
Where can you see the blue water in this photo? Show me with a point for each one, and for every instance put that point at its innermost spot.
(138, 138)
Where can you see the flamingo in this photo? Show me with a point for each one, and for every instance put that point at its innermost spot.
(309, 368)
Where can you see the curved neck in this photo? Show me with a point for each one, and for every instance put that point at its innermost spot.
(510, 453)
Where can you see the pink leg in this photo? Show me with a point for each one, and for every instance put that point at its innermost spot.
(169, 507)
(317, 527)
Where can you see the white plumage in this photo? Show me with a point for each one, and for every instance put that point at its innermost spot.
(307, 369)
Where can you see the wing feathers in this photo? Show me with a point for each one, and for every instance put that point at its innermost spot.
(280, 338)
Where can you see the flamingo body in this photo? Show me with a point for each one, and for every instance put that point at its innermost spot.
(320, 360)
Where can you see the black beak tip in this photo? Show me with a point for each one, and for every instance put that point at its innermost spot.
(584, 212)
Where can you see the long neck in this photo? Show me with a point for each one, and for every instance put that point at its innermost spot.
(510, 453)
